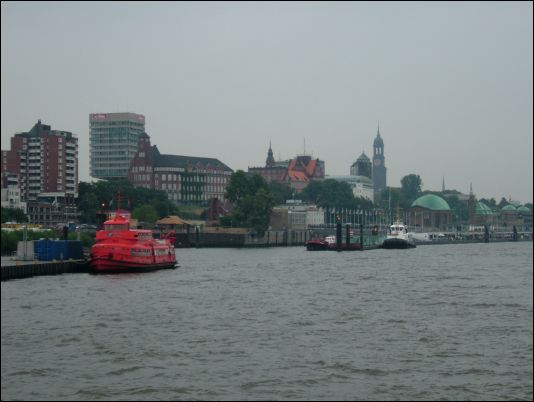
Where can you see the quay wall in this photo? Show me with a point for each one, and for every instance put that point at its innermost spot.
(18, 270)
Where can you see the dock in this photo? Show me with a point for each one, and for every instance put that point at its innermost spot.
(14, 269)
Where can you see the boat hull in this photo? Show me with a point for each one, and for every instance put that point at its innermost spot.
(319, 245)
(397, 244)
(113, 266)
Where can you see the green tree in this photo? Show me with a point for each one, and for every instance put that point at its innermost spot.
(253, 202)
(88, 206)
(503, 202)
(281, 192)
(490, 203)
(145, 213)
(459, 208)
(13, 215)
(329, 193)
(410, 189)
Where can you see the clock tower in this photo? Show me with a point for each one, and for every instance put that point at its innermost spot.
(379, 168)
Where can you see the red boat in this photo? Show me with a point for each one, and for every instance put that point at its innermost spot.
(119, 248)
(329, 243)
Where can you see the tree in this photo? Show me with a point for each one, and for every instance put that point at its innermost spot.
(99, 195)
(253, 202)
(280, 192)
(490, 203)
(410, 188)
(145, 213)
(13, 214)
(329, 193)
(88, 206)
(502, 203)
(459, 208)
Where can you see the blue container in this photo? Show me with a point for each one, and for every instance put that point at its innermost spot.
(47, 250)
(75, 249)
(61, 249)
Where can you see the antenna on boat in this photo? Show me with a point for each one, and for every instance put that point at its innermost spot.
(118, 203)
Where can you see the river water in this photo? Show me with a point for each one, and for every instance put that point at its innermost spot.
(448, 322)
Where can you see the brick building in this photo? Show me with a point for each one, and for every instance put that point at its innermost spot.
(185, 179)
(45, 163)
(296, 172)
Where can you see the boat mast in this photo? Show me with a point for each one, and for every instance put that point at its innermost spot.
(118, 203)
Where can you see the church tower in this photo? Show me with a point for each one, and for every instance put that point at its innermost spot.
(270, 158)
(379, 168)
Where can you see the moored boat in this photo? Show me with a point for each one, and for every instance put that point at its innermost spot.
(330, 243)
(118, 248)
(398, 237)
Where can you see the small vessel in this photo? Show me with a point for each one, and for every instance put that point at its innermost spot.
(398, 237)
(330, 243)
(118, 248)
(326, 243)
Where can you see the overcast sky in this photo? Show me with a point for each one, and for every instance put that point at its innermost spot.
(450, 83)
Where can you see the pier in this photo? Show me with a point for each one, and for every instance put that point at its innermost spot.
(13, 269)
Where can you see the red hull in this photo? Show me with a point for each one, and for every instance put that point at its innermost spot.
(105, 265)
(119, 249)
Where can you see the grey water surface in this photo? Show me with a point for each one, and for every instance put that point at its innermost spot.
(448, 322)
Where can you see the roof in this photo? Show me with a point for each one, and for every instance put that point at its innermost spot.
(482, 209)
(363, 158)
(163, 160)
(508, 207)
(378, 142)
(432, 202)
(297, 176)
(172, 220)
(523, 209)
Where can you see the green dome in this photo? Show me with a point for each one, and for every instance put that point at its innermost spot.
(509, 207)
(523, 209)
(482, 209)
(431, 201)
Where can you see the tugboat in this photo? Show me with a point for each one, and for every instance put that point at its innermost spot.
(119, 248)
(398, 237)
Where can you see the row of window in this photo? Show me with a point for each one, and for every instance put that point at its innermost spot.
(140, 252)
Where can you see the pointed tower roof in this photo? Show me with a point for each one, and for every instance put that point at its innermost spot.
(378, 142)
(270, 158)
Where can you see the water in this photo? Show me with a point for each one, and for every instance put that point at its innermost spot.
(449, 322)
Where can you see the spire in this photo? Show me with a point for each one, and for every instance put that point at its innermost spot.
(378, 131)
(270, 157)
(470, 188)
(443, 185)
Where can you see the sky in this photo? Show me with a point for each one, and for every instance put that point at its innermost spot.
(450, 83)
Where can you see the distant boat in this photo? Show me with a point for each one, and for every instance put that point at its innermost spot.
(330, 243)
(398, 237)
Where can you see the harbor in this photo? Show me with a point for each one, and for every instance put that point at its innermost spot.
(241, 324)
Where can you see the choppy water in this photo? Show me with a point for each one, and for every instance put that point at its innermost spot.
(447, 322)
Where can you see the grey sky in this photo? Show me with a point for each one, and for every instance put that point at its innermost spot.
(450, 83)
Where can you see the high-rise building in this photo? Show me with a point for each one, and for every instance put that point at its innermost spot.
(45, 161)
(113, 139)
(379, 168)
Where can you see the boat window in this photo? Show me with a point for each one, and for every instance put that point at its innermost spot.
(116, 227)
(140, 252)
